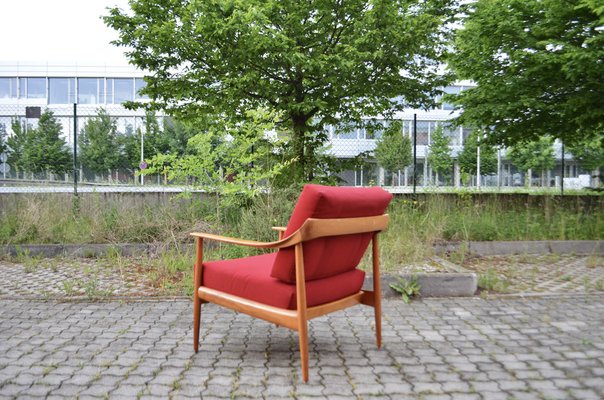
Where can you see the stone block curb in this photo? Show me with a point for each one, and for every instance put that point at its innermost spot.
(577, 247)
(447, 284)
(77, 250)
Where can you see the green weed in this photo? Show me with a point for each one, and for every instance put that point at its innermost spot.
(490, 281)
(408, 288)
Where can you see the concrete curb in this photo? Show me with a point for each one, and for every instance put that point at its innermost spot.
(578, 247)
(77, 250)
(454, 284)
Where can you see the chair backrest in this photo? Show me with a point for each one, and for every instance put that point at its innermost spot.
(329, 256)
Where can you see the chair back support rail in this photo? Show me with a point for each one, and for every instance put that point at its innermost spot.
(295, 319)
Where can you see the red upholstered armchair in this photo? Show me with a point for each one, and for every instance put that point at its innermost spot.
(312, 273)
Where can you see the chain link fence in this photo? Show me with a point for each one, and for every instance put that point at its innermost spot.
(127, 154)
(32, 161)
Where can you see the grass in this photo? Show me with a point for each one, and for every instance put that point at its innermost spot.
(416, 225)
(490, 281)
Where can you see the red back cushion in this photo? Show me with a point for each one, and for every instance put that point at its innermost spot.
(325, 257)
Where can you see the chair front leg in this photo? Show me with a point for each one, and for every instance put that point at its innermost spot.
(377, 291)
(196, 284)
(301, 306)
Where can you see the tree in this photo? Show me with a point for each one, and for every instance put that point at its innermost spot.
(589, 154)
(178, 133)
(3, 137)
(44, 149)
(439, 158)
(393, 149)
(17, 144)
(315, 62)
(233, 160)
(468, 156)
(537, 155)
(99, 147)
(538, 66)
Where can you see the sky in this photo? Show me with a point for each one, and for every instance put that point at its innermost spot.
(58, 31)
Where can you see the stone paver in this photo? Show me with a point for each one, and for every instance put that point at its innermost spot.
(447, 348)
(552, 273)
(46, 278)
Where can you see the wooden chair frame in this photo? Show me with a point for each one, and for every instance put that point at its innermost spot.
(294, 319)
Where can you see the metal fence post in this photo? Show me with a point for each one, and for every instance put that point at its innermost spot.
(75, 149)
(414, 152)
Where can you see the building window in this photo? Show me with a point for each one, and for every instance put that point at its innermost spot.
(450, 90)
(452, 133)
(61, 90)
(423, 133)
(8, 88)
(345, 131)
(90, 91)
(139, 84)
(123, 90)
(32, 88)
(374, 129)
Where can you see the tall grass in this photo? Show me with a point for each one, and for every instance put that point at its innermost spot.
(95, 219)
(414, 228)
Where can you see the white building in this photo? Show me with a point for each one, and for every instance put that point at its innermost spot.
(26, 87)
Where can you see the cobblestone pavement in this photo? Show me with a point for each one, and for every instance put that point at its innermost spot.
(551, 273)
(60, 278)
(463, 348)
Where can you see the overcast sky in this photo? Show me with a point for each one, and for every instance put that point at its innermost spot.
(58, 31)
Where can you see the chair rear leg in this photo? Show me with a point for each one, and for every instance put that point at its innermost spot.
(196, 321)
(196, 284)
(378, 322)
(303, 334)
(377, 291)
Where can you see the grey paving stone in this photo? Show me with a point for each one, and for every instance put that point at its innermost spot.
(487, 343)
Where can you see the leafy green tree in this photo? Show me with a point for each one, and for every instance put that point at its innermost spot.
(98, 143)
(130, 149)
(439, 157)
(3, 137)
(468, 156)
(538, 68)
(393, 149)
(235, 161)
(311, 61)
(589, 154)
(537, 155)
(16, 144)
(44, 149)
(178, 134)
(155, 140)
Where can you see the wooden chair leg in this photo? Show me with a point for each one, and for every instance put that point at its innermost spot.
(196, 321)
(303, 333)
(196, 300)
(378, 323)
(377, 291)
(301, 310)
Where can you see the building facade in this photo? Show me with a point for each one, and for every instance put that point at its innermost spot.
(57, 87)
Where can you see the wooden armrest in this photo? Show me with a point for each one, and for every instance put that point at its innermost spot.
(242, 242)
(281, 230)
(311, 229)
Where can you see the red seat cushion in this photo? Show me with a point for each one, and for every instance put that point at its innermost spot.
(250, 278)
(330, 256)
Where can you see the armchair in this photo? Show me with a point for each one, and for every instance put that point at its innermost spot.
(313, 270)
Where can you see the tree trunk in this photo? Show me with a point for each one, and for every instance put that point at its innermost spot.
(300, 167)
